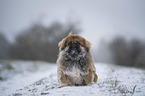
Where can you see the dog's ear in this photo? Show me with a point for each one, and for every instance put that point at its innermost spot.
(70, 33)
(61, 44)
(88, 45)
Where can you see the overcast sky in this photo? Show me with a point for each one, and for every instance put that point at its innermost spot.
(102, 19)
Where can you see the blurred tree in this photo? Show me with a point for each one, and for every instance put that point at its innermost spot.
(119, 51)
(129, 53)
(39, 42)
(137, 53)
(4, 47)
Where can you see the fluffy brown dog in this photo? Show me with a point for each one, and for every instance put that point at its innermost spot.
(75, 61)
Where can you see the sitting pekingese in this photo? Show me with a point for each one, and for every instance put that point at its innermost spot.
(75, 61)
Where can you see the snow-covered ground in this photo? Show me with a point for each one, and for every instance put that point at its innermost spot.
(35, 78)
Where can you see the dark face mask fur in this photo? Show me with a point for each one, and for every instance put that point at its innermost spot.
(74, 48)
(75, 57)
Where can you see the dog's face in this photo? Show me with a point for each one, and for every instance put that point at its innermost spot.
(74, 44)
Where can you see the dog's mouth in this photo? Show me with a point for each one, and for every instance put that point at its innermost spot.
(74, 47)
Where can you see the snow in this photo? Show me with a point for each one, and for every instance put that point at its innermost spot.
(21, 74)
(40, 78)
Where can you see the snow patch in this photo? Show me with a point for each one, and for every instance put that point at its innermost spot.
(113, 80)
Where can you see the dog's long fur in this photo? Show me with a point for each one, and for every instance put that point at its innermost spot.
(75, 66)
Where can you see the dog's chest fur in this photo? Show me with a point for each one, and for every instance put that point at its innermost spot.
(75, 66)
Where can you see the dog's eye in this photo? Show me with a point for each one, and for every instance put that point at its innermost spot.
(70, 43)
(78, 43)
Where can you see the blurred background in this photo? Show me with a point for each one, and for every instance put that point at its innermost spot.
(31, 29)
